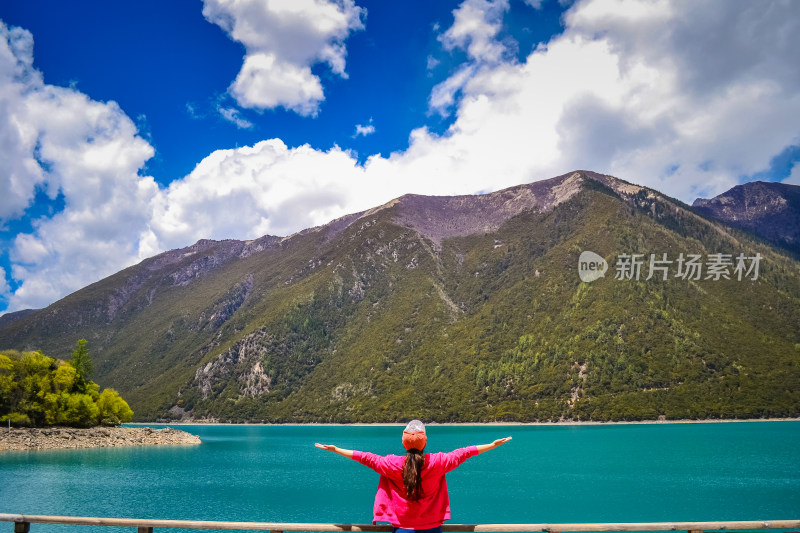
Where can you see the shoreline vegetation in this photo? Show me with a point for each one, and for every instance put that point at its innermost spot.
(41, 391)
(499, 423)
(66, 438)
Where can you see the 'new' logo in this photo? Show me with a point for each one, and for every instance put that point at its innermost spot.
(591, 266)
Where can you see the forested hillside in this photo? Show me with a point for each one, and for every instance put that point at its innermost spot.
(451, 309)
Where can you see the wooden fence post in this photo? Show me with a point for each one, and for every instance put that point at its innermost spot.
(22, 527)
(143, 529)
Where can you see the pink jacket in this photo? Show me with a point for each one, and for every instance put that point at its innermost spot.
(391, 504)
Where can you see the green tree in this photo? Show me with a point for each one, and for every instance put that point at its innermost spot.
(112, 409)
(81, 410)
(33, 373)
(65, 378)
(7, 384)
(82, 364)
(18, 419)
(36, 390)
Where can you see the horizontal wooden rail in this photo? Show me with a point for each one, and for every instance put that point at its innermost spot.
(22, 525)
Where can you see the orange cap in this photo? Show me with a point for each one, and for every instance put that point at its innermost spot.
(414, 437)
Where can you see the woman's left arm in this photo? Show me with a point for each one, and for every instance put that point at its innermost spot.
(486, 447)
(449, 461)
(335, 449)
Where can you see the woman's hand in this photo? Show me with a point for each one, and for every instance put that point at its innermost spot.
(335, 449)
(498, 442)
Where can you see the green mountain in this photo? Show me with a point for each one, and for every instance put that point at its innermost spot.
(465, 308)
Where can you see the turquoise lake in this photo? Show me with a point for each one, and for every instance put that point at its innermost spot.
(549, 473)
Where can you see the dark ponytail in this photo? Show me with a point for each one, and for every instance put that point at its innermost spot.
(412, 474)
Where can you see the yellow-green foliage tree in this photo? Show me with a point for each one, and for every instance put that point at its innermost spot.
(36, 390)
(112, 409)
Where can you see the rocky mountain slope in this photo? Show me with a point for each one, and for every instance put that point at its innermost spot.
(769, 210)
(8, 318)
(466, 308)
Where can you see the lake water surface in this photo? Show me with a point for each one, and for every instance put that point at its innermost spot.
(550, 473)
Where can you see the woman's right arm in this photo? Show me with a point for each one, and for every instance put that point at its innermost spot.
(335, 449)
(486, 447)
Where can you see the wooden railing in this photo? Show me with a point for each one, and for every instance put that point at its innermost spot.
(22, 524)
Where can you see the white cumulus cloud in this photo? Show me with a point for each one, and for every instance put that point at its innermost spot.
(5, 290)
(364, 130)
(703, 94)
(249, 192)
(282, 40)
(475, 28)
(476, 24)
(21, 173)
(234, 117)
(794, 176)
(621, 90)
(60, 141)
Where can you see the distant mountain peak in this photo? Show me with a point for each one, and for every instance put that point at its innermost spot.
(8, 318)
(749, 201)
(768, 209)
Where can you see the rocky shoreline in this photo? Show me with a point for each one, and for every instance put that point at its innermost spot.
(60, 438)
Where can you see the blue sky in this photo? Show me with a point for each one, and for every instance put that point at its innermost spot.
(130, 128)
